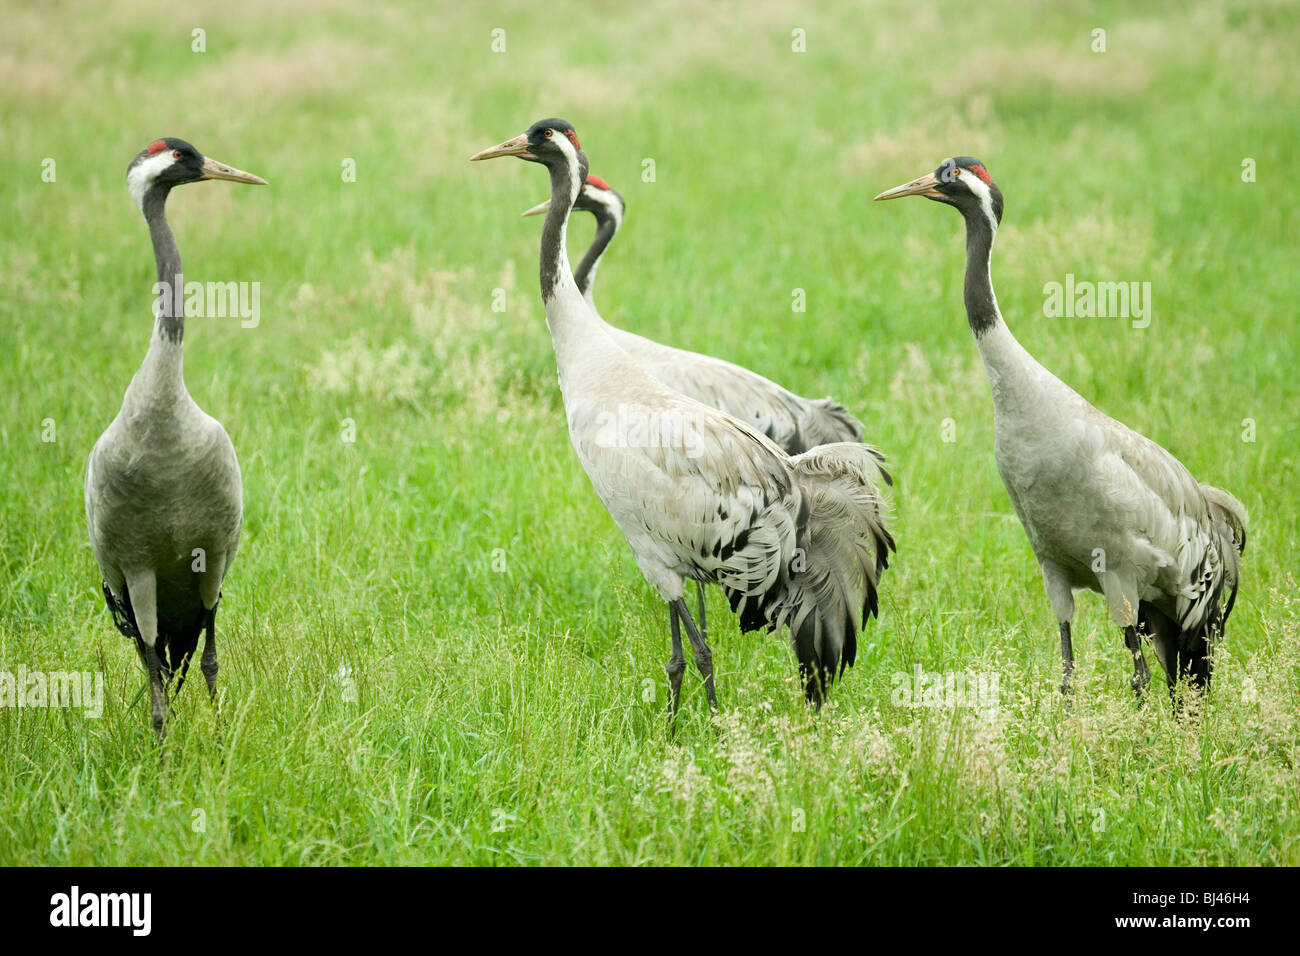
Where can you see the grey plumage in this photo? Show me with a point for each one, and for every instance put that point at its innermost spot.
(698, 494)
(163, 493)
(1105, 508)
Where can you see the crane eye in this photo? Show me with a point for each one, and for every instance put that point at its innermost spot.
(549, 133)
(176, 154)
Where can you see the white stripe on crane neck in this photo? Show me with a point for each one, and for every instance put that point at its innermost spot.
(982, 192)
(606, 199)
(142, 175)
(575, 168)
(563, 272)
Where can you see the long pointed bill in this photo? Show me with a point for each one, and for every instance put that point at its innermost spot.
(215, 170)
(924, 186)
(511, 147)
(537, 210)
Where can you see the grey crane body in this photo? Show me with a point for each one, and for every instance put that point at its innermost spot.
(1105, 508)
(163, 492)
(700, 495)
(793, 422)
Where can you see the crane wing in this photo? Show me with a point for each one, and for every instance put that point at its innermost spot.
(794, 423)
(1185, 533)
(697, 494)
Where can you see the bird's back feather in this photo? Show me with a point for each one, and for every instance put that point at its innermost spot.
(794, 423)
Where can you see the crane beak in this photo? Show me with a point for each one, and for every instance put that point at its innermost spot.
(511, 147)
(215, 170)
(924, 186)
(537, 210)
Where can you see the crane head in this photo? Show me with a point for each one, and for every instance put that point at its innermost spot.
(962, 181)
(169, 162)
(596, 197)
(551, 142)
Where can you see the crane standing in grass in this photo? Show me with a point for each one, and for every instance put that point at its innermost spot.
(793, 422)
(164, 502)
(698, 494)
(1105, 508)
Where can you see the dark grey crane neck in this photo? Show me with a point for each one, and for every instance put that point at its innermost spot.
(557, 216)
(553, 257)
(605, 229)
(981, 305)
(167, 255)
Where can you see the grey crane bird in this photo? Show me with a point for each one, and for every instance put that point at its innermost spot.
(698, 494)
(793, 422)
(1105, 508)
(164, 502)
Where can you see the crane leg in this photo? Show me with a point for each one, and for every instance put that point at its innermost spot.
(677, 663)
(157, 693)
(180, 678)
(703, 656)
(1067, 657)
(143, 587)
(209, 662)
(1141, 675)
(704, 621)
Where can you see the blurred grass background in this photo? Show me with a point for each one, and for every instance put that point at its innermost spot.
(516, 715)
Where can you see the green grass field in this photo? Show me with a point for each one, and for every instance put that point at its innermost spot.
(435, 645)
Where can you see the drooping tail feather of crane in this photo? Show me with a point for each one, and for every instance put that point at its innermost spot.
(1105, 508)
(838, 493)
(701, 495)
(163, 495)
